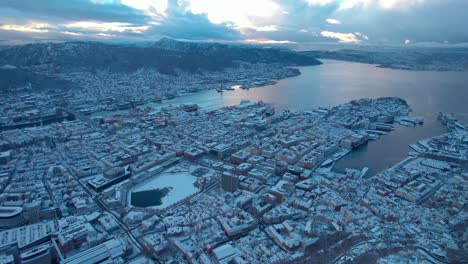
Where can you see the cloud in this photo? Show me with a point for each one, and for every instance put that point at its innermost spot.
(106, 26)
(366, 21)
(269, 41)
(145, 20)
(385, 4)
(320, 2)
(333, 21)
(267, 28)
(151, 7)
(182, 23)
(78, 10)
(241, 13)
(342, 37)
(32, 28)
(419, 19)
(53, 34)
(361, 35)
(399, 4)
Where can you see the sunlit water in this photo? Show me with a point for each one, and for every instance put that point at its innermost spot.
(337, 82)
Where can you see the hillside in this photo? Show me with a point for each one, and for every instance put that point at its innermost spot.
(165, 56)
(232, 52)
(420, 59)
(11, 79)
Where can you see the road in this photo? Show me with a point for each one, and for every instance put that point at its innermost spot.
(104, 208)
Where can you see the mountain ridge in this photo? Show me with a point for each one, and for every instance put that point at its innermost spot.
(165, 55)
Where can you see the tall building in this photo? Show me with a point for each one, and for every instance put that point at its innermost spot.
(229, 182)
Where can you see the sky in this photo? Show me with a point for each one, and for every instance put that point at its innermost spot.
(376, 22)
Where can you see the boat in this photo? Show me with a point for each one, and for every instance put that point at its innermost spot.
(417, 148)
(219, 90)
(384, 126)
(270, 111)
(189, 107)
(363, 172)
(406, 123)
(375, 132)
(327, 162)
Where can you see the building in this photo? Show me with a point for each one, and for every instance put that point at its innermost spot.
(73, 235)
(7, 259)
(106, 251)
(237, 222)
(283, 235)
(114, 172)
(225, 253)
(110, 177)
(11, 217)
(221, 150)
(42, 254)
(5, 157)
(229, 182)
(193, 153)
(239, 157)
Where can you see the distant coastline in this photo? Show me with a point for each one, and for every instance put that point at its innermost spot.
(410, 59)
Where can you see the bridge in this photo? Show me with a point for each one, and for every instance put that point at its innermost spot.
(80, 116)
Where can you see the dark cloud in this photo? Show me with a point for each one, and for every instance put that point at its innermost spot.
(183, 24)
(77, 10)
(20, 37)
(177, 23)
(429, 21)
(13, 16)
(297, 21)
(195, 27)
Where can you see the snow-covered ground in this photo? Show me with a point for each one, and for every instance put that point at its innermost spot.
(179, 183)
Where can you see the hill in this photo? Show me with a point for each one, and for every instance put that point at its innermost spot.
(165, 56)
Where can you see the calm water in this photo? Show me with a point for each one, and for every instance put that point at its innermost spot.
(148, 198)
(337, 82)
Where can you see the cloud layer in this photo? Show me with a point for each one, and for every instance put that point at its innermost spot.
(260, 21)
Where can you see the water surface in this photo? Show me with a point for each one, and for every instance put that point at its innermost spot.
(337, 82)
(148, 198)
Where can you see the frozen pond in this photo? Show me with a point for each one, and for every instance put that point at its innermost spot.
(169, 187)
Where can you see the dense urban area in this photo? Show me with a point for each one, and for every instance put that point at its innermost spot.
(238, 184)
(233, 131)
